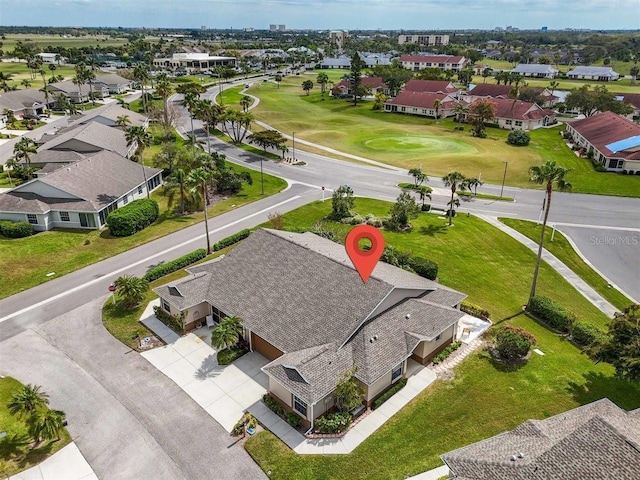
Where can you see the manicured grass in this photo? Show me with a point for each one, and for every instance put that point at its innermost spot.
(619, 86)
(16, 453)
(485, 398)
(247, 147)
(562, 249)
(231, 97)
(44, 41)
(63, 251)
(6, 181)
(21, 72)
(484, 196)
(410, 141)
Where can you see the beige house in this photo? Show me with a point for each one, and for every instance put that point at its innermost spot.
(304, 307)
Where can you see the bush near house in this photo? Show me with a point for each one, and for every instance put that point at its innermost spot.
(584, 334)
(272, 404)
(474, 310)
(399, 385)
(443, 355)
(293, 419)
(424, 267)
(231, 239)
(332, 423)
(551, 313)
(15, 229)
(133, 217)
(519, 138)
(175, 265)
(175, 322)
(513, 342)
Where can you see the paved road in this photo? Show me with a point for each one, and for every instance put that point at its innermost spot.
(128, 419)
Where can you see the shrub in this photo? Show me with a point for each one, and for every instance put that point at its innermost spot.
(519, 138)
(551, 313)
(399, 385)
(474, 310)
(424, 267)
(444, 354)
(395, 257)
(353, 220)
(273, 405)
(624, 172)
(231, 239)
(450, 213)
(600, 167)
(238, 428)
(133, 217)
(175, 322)
(426, 207)
(15, 229)
(584, 334)
(175, 265)
(293, 419)
(513, 342)
(371, 219)
(332, 423)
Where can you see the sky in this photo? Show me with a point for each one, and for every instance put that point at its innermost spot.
(326, 14)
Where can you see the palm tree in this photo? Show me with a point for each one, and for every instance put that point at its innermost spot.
(164, 89)
(245, 102)
(27, 400)
(178, 179)
(190, 101)
(46, 424)
(123, 121)
(454, 180)
(549, 175)
(52, 68)
(131, 290)
(322, 79)
(79, 80)
(227, 333)
(23, 150)
(198, 180)
(436, 106)
(553, 85)
(139, 137)
(474, 183)
(424, 192)
(209, 113)
(141, 76)
(459, 110)
(26, 83)
(89, 77)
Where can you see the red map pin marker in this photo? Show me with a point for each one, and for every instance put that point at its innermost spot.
(364, 260)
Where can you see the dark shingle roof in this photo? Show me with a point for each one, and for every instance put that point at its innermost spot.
(490, 90)
(433, 86)
(591, 442)
(96, 134)
(110, 112)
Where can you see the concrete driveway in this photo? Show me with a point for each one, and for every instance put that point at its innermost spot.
(128, 419)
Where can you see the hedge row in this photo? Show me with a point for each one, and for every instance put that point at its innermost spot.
(231, 239)
(332, 423)
(443, 355)
(474, 310)
(15, 229)
(551, 313)
(133, 217)
(421, 266)
(174, 322)
(389, 393)
(175, 265)
(584, 334)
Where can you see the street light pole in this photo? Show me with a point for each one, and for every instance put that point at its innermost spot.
(261, 175)
(503, 178)
(294, 147)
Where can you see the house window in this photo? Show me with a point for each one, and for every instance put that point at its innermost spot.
(32, 219)
(300, 406)
(87, 220)
(508, 122)
(518, 123)
(140, 190)
(125, 199)
(403, 109)
(438, 337)
(396, 373)
(64, 217)
(165, 306)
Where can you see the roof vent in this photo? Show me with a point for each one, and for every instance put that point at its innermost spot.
(520, 455)
(513, 458)
(407, 316)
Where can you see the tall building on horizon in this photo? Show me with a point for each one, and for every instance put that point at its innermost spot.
(426, 40)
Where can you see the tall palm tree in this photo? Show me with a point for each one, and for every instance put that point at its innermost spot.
(46, 424)
(23, 149)
(550, 175)
(455, 181)
(79, 80)
(164, 89)
(209, 113)
(178, 179)
(123, 121)
(52, 68)
(141, 76)
(139, 137)
(553, 85)
(227, 333)
(89, 77)
(131, 290)
(198, 180)
(27, 400)
(437, 103)
(245, 102)
(474, 183)
(459, 110)
(190, 101)
(322, 79)
(424, 192)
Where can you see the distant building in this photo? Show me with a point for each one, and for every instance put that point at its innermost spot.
(273, 27)
(535, 70)
(52, 58)
(426, 40)
(444, 62)
(248, 29)
(193, 61)
(605, 74)
(282, 28)
(338, 37)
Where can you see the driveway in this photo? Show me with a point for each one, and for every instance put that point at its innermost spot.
(128, 419)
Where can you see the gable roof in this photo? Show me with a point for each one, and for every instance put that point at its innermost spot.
(97, 181)
(607, 128)
(423, 100)
(589, 70)
(373, 82)
(597, 440)
(433, 86)
(534, 68)
(19, 99)
(632, 99)
(432, 58)
(110, 112)
(490, 90)
(111, 79)
(68, 87)
(518, 110)
(93, 133)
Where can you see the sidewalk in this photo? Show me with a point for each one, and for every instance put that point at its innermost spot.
(587, 291)
(67, 464)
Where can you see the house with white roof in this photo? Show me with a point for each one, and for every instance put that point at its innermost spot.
(603, 74)
(535, 70)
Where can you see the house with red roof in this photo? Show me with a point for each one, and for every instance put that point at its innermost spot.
(443, 62)
(488, 90)
(423, 103)
(374, 83)
(633, 100)
(430, 86)
(611, 139)
(515, 114)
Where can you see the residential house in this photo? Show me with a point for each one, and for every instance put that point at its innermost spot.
(594, 441)
(109, 114)
(304, 307)
(610, 139)
(115, 84)
(24, 102)
(424, 39)
(374, 83)
(515, 114)
(77, 93)
(487, 90)
(52, 58)
(423, 103)
(88, 138)
(80, 194)
(535, 70)
(343, 61)
(604, 74)
(631, 99)
(430, 86)
(444, 62)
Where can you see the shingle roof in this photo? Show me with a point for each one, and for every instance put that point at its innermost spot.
(26, 202)
(432, 86)
(606, 128)
(111, 112)
(431, 58)
(111, 79)
(67, 86)
(19, 99)
(423, 100)
(490, 90)
(518, 110)
(589, 70)
(56, 156)
(373, 82)
(93, 133)
(534, 68)
(591, 442)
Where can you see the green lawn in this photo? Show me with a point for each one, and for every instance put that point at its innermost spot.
(485, 398)
(15, 452)
(410, 141)
(63, 251)
(562, 249)
(231, 97)
(21, 72)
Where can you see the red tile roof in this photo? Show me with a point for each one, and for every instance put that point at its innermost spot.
(605, 128)
(443, 86)
(423, 100)
(431, 58)
(373, 82)
(632, 99)
(517, 110)
(490, 90)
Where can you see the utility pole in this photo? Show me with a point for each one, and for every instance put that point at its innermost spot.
(503, 178)
(294, 147)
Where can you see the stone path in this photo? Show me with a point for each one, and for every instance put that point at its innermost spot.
(445, 369)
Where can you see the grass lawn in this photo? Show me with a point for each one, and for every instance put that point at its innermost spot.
(231, 97)
(15, 452)
(21, 72)
(485, 398)
(6, 181)
(410, 141)
(63, 251)
(619, 86)
(562, 249)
